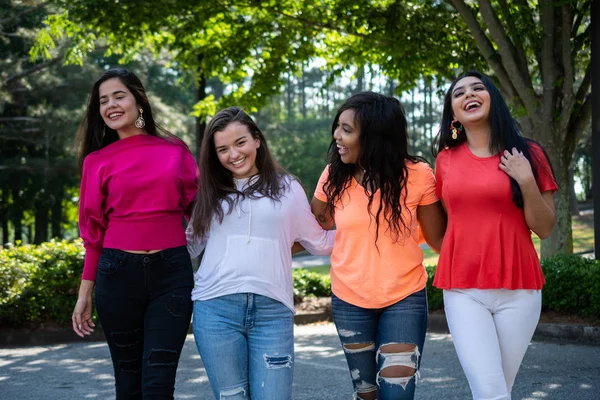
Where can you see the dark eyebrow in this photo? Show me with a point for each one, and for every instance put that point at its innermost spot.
(114, 93)
(462, 87)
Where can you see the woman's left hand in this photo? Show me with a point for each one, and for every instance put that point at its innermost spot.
(516, 166)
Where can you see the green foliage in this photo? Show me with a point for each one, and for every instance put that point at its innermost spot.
(572, 285)
(39, 283)
(435, 296)
(307, 283)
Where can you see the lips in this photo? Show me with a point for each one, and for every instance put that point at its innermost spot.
(114, 115)
(238, 162)
(342, 149)
(472, 105)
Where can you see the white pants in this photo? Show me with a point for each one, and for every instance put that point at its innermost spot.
(491, 330)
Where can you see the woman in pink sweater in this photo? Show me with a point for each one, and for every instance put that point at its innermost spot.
(138, 182)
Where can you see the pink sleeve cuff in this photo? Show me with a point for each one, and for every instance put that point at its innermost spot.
(90, 265)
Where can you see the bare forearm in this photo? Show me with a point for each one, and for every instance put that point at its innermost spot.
(86, 288)
(539, 214)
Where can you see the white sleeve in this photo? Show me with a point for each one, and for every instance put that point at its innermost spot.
(307, 230)
(195, 245)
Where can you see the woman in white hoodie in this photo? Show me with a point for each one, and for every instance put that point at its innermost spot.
(248, 214)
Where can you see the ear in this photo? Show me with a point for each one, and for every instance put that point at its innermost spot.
(257, 143)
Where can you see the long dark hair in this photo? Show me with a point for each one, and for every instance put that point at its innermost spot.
(505, 131)
(383, 155)
(93, 134)
(216, 182)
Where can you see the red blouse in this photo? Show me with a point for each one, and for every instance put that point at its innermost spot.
(487, 244)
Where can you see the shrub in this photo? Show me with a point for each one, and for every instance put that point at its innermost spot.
(435, 296)
(39, 283)
(308, 283)
(572, 285)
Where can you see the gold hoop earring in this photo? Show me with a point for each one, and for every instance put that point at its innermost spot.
(140, 122)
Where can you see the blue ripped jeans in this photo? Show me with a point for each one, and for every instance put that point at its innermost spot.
(404, 322)
(246, 342)
(144, 305)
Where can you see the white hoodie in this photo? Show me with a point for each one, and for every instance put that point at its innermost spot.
(250, 251)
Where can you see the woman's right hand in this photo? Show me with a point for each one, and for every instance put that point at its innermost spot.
(83, 325)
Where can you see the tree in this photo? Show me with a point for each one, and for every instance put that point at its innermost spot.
(540, 53)
(537, 50)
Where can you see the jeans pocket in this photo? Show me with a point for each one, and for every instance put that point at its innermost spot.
(108, 266)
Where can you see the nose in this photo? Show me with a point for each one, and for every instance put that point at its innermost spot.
(336, 134)
(234, 154)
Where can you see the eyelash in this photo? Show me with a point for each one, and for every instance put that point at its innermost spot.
(105, 101)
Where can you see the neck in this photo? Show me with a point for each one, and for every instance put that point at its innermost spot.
(130, 131)
(478, 136)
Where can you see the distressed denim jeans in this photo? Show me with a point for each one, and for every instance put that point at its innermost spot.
(364, 331)
(144, 305)
(246, 342)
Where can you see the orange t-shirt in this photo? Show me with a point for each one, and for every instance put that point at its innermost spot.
(487, 244)
(371, 276)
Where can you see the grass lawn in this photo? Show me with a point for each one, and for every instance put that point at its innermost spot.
(583, 241)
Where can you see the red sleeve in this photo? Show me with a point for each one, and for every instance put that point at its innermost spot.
(190, 183)
(440, 171)
(92, 221)
(545, 179)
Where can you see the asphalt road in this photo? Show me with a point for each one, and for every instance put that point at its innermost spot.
(83, 371)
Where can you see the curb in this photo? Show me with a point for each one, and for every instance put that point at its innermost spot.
(565, 333)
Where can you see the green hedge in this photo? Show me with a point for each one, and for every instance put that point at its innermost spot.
(307, 283)
(572, 285)
(40, 284)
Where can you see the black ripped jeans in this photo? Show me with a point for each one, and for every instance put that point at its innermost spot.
(144, 305)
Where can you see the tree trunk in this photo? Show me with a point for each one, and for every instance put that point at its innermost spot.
(572, 194)
(17, 214)
(360, 82)
(289, 97)
(561, 239)
(200, 121)
(56, 213)
(303, 90)
(4, 215)
(41, 221)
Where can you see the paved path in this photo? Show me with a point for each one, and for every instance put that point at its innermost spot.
(83, 371)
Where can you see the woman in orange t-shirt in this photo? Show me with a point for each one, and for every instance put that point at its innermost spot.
(375, 192)
(496, 187)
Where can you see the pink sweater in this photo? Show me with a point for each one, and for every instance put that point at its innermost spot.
(134, 193)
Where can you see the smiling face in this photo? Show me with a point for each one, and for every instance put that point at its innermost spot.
(470, 101)
(346, 135)
(236, 150)
(118, 106)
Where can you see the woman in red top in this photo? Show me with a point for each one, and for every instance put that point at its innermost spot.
(497, 187)
(137, 184)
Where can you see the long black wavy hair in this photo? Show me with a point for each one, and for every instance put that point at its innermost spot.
(383, 155)
(216, 182)
(505, 131)
(93, 134)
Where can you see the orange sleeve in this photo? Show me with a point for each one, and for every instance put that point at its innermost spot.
(426, 183)
(319, 192)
